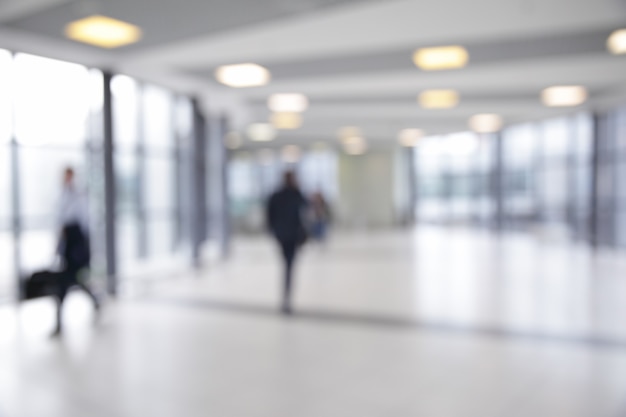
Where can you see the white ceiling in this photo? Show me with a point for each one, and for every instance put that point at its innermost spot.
(371, 29)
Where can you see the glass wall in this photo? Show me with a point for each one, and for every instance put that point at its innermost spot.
(152, 154)
(610, 185)
(520, 160)
(7, 267)
(159, 170)
(462, 151)
(125, 95)
(545, 175)
(51, 118)
(450, 178)
(52, 114)
(432, 186)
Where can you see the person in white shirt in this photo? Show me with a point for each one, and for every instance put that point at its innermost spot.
(74, 246)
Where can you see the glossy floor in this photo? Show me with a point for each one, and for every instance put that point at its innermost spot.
(436, 322)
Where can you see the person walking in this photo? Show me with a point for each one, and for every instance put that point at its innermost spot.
(321, 217)
(74, 245)
(285, 222)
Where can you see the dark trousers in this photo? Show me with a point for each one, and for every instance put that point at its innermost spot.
(68, 278)
(289, 250)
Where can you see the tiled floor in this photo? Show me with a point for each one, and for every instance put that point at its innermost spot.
(433, 323)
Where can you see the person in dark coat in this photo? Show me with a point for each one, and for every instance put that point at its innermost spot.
(285, 221)
(74, 246)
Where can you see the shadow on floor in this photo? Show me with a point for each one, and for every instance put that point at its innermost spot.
(391, 322)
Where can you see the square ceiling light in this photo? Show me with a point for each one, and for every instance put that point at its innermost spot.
(102, 31)
(286, 121)
(354, 145)
(261, 132)
(564, 96)
(486, 123)
(290, 103)
(348, 132)
(410, 137)
(616, 43)
(441, 58)
(243, 75)
(439, 99)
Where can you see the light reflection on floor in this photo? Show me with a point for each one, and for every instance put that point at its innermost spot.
(449, 323)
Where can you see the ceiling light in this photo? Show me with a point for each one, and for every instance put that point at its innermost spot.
(348, 131)
(354, 145)
(410, 137)
(233, 140)
(103, 31)
(439, 99)
(261, 132)
(242, 75)
(291, 154)
(441, 58)
(290, 103)
(486, 123)
(616, 43)
(286, 120)
(564, 96)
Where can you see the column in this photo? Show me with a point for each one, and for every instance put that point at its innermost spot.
(109, 186)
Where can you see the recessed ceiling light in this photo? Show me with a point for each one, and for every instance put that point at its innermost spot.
(616, 43)
(410, 137)
(233, 140)
(564, 96)
(103, 31)
(286, 120)
(261, 132)
(290, 103)
(439, 99)
(354, 145)
(348, 131)
(441, 58)
(291, 154)
(243, 75)
(486, 123)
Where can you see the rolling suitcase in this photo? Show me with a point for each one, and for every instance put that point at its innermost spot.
(40, 284)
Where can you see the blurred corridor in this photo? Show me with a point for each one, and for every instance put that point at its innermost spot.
(446, 181)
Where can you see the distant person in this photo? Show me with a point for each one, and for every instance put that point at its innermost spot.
(320, 217)
(284, 219)
(74, 245)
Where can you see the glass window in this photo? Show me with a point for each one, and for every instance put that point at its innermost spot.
(41, 173)
(5, 136)
(125, 91)
(7, 268)
(556, 137)
(158, 187)
(53, 103)
(319, 172)
(157, 118)
(52, 121)
(520, 146)
(557, 141)
(431, 173)
(519, 156)
(125, 112)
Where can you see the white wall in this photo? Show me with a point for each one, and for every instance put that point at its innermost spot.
(366, 190)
